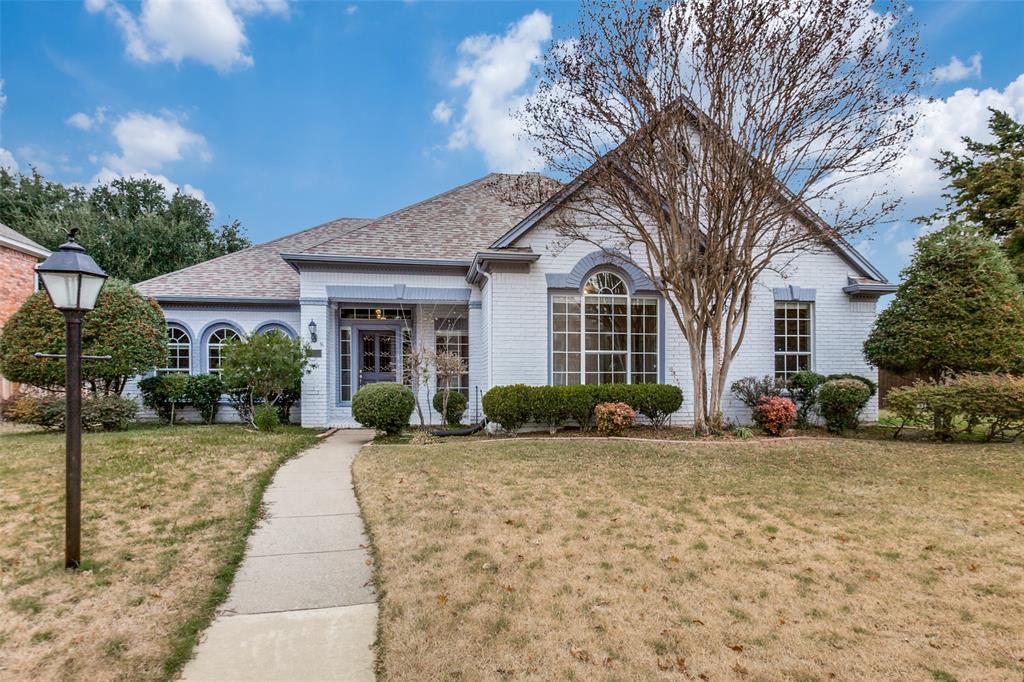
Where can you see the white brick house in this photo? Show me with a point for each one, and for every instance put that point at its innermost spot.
(466, 271)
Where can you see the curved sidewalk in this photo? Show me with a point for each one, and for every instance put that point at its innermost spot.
(302, 606)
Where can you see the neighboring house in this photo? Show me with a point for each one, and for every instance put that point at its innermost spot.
(467, 272)
(19, 256)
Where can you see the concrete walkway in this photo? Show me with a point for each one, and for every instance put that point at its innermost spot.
(301, 607)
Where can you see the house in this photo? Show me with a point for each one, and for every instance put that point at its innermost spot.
(18, 258)
(468, 272)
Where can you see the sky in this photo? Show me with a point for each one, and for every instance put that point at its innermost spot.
(286, 114)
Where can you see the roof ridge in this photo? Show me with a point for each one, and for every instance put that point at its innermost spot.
(374, 221)
(247, 249)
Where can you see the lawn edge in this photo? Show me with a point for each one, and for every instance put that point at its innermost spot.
(375, 573)
(186, 637)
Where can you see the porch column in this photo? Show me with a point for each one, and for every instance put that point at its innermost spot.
(477, 361)
(316, 385)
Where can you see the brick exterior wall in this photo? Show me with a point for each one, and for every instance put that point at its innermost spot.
(17, 283)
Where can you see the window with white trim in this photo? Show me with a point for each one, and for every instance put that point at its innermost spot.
(455, 339)
(179, 351)
(604, 335)
(215, 347)
(793, 337)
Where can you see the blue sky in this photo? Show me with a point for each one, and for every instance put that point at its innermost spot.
(285, 115)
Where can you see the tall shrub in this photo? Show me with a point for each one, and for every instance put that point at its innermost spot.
(164, 394)
(263, 368)
(203, 392)
(803, 389)
(124, 325)
(959, 308)
(841, 401)
(383, 406)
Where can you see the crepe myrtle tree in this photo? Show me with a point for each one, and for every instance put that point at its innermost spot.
(697, 133)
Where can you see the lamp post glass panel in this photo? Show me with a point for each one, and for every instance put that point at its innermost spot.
(72, 280)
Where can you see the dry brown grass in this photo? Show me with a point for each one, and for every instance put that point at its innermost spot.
(799, 560)
(165, 514)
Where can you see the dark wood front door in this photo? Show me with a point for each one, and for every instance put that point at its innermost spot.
(376, 357)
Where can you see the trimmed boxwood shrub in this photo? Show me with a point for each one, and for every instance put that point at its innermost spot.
(872, 386)
(456, 407)
(549, 406)
(553, 406)
(840, 402)
(579, 402)
(657, 402)
(508, 406)
(383, 406)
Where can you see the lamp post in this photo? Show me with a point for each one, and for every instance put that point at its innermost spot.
(73, 281)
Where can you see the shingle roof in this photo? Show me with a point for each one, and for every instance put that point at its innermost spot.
(255, 272)
(9, 235)
(453, 225)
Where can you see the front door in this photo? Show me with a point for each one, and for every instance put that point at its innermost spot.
(377, 356)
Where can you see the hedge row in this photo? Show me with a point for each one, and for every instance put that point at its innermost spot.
(962, 404)
(513, 406)
(103, 412)
(165, 393)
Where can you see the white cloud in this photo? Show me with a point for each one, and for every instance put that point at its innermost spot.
(942, 124)
(209, 31)
(3, 97)
(442, 113)
(84, 121)
(351, 9)
(7, 161)
(494, 70)
(148, 142)
(35, 157)
(956, 70)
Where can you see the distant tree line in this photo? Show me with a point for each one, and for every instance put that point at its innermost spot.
(131, 226)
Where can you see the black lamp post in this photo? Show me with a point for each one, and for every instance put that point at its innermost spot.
(73, 281)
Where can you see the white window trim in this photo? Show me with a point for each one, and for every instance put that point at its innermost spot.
(812, 327)
(583, 352)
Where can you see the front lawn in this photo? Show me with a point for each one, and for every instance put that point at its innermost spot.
(165, 515)
(806, 559)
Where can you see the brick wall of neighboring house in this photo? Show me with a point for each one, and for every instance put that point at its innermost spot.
(17, 282)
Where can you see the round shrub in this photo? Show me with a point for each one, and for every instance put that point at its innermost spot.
(613, 418)
(456, 407)
(549, 406)
(872, 386)
(508, 406)
(383, 406)
(775, 415)
(840, 402)
(265, 418)
(657, 402)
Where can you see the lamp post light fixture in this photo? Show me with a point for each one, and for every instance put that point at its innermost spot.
(312, 331)
(72, 280)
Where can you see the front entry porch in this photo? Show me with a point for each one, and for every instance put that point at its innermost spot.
(370, 342)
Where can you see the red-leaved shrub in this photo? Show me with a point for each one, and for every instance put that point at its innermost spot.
(775, 415)
(613, 418)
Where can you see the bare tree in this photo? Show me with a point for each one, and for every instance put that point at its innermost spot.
(416, 368)
(699, 131)
(449, 366)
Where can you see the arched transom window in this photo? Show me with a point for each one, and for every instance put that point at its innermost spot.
(215, 347)
(179, 351)
(604, 335)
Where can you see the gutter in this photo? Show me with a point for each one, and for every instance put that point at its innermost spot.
(481, 263)
(294, 258)
(37, 251)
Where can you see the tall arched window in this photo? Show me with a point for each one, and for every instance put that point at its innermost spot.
(179, 351)
(604, 335)
(215, 346)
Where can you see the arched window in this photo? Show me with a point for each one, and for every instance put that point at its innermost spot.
(275, 327)
(605, 335)
(179, 351)
(215, 346)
